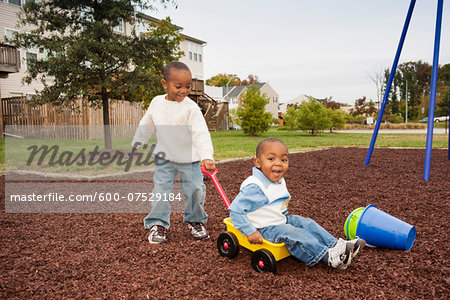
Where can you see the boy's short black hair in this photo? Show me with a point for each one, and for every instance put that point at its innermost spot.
(177, 65)
(261, 144)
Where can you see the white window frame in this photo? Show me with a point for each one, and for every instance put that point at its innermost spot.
(9, 2)
(32, 50)
(120, 28)
(7, 30)
(22, 2)
(195, 52)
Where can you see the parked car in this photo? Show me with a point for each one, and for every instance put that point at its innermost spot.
(438, 119)
(441, 119)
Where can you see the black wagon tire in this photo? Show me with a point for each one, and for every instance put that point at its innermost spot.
(228, 245)
(263, 261)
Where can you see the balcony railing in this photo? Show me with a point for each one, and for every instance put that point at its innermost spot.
(9, 59)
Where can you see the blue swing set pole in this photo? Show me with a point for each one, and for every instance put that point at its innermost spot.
(389, 84)
(434, 73)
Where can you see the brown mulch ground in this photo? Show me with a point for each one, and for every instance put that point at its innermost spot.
(108, 256)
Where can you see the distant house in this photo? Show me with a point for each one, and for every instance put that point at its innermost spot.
(13, 86)
(296, 101)
(233, 94)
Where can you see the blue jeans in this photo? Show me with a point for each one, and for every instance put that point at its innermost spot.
(193, 190)
(304, 238)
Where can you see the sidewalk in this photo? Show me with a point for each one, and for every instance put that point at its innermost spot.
(436, 130)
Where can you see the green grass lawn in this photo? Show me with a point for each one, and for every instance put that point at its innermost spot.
(233, 144)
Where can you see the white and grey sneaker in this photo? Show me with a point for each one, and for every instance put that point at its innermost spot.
(198, 230)
(358, 244)
(158, 234)
(340, 256)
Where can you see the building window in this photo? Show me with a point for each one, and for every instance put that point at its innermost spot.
(18, 57)
(18, 2)
(119, 28)
(30, 56)
(15, 2)
(10, 33)
(195, 51)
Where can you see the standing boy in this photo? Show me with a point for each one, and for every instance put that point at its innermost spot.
(260, 211)
(183, 136)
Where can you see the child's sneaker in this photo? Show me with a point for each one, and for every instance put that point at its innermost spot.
(198, 231)
(158, 234)
(340, 255)
(358, 244)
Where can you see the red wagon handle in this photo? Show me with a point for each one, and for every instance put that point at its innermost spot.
(213, 177)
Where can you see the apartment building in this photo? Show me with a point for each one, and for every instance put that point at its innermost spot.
(12, 86)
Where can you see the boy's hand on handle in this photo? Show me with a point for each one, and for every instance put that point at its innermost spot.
(209, 164)
(255, 238)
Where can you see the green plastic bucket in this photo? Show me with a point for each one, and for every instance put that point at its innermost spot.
(352, 223)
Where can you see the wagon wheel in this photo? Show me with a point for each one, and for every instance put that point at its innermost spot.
(263, 261)
(228, 245)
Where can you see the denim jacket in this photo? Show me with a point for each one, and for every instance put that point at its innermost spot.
(260, 203)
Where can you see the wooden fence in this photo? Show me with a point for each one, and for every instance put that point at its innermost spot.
(47, 121)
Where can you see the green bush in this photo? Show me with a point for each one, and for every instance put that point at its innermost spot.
(396, 119)
(313, 116)
(254, 120)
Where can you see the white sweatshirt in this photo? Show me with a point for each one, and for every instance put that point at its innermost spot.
(181, 131)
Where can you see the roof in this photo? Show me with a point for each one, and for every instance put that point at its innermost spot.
(193, 39)
(237, 90)
(155, 20)
(152, 19)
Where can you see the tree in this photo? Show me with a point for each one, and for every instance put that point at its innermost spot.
(251, 79)
(394, 103)
(413, 79)
(371, 109)
(223, 79)
(86, 57)
(291, 117)
(337, 119)
(254, 120)
(377, 76)
(443, 106)
(313, 116)
(360, 107)
(328, 103)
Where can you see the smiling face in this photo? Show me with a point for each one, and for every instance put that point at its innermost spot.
(177, 85)
(273, 160)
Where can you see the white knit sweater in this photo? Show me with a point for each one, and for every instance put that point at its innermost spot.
(181, 131)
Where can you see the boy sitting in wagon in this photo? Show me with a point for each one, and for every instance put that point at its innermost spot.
(260, 211)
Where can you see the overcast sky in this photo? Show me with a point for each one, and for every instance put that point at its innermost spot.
(319, 48)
